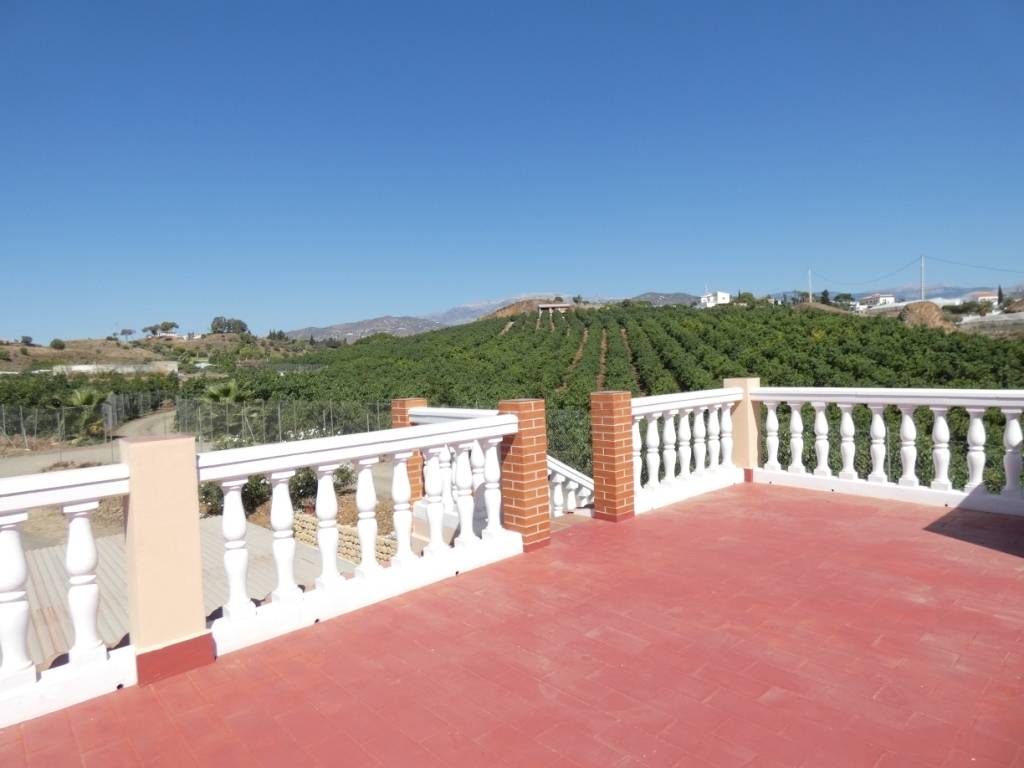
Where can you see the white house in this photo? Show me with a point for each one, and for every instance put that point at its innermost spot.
(877, 300)
(714, 298)
(991, 298)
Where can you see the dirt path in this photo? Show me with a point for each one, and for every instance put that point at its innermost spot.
(575, 360)
(604, 357)
(159, 423)
(507, 328)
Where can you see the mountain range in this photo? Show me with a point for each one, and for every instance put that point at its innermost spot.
(408, 325)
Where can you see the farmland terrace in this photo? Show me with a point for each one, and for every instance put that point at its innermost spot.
(717, 593)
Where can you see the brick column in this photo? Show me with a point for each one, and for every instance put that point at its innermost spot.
(164, 565)
(400, 418)
(611, 424)
(745, 441)
(524, 474)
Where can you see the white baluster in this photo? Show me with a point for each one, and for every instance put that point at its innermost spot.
(327, 526)
(727, 435)
(236, 555)
(821, 468)
(653, 452)
(16, 667)
(476, 461)
(83, 591)
(366, 524)
(940, 451)
(1012, 459)
(282, 520)
(464, 496)
(637, 459)
(492, 488)
(908, 446)
(401, 494)
(771, 439)
(975, 449)
(847, 448)
(668, 445)
(878, 474)
(571, 501)
(432, 489)
(796, 439)
(684, 449)
(699, 446)
(447, 481)
(714, 441)
(557, 495)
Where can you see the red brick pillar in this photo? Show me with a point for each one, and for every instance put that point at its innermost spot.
(611, 423)
(524, 474)
(400, 418)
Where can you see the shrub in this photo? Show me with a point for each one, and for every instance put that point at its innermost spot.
(211, 495)
(57, 344)
(4, 354)
(344, 478)
(255, 492)
(302, 486)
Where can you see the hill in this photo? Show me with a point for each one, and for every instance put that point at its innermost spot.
(404, 325)
(666, 299)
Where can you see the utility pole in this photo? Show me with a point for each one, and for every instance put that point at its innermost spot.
(922, 277)
(810, 293)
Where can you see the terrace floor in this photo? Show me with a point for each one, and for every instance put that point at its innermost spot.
(756, 626)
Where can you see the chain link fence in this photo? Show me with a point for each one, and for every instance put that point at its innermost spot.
(30, 427)
(233, 425)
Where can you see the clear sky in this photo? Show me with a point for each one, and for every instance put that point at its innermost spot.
(299, 164)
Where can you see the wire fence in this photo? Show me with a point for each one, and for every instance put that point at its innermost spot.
(232, 425)
(28, 427)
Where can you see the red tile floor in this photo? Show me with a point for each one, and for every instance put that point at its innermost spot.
(756, 626)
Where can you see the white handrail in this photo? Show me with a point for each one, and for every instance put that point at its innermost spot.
(643, 406)
(282, 457)
(967, 398)
(68, 486)
(570, 473)
(426, 415)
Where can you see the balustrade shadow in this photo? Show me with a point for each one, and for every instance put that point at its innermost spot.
(1002, 533)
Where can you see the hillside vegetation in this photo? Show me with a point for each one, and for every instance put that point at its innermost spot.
(648, 350)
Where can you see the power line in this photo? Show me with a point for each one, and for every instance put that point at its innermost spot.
(978, 266)
(886, 276)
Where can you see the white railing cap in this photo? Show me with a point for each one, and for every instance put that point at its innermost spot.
(644, 406)
(69, 486)
(967, 398)
(427, 415)
(569, 473)
(237, 463)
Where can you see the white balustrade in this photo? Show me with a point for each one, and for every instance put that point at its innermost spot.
(700, 448)
(236, 555)
(282, 521)
(401, 494)
(696, 456)
(714, 439)
(1012, 457)
(653, 454)
(571, 495)
(83, 591)
(909, 402)
(668, 445)
(447, 480)
(464, 499)
(16, 667)
(771, 438)
(366, 523)
(878, 473)
(796, 439)
(327, 526)
(940, 450)
(847, 447)
(821, 468)
(685, 450)
(557, 495)
(492, 489)
(908, 447)
(432, 485)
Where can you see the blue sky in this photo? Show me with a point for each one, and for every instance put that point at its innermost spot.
(305, 163)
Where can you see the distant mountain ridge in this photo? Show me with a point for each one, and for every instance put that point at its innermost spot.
(665, 299)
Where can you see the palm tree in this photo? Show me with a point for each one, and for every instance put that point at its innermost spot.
(224, 392)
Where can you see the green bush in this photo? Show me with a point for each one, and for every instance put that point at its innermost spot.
(302, 486)
(4, 354)
(255, 491)
(57, 344)
(212, 496)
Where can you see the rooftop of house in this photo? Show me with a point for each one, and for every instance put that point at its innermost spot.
(752, 626)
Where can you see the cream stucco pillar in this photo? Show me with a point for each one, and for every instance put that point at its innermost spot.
(745, 425)
(166, 618)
